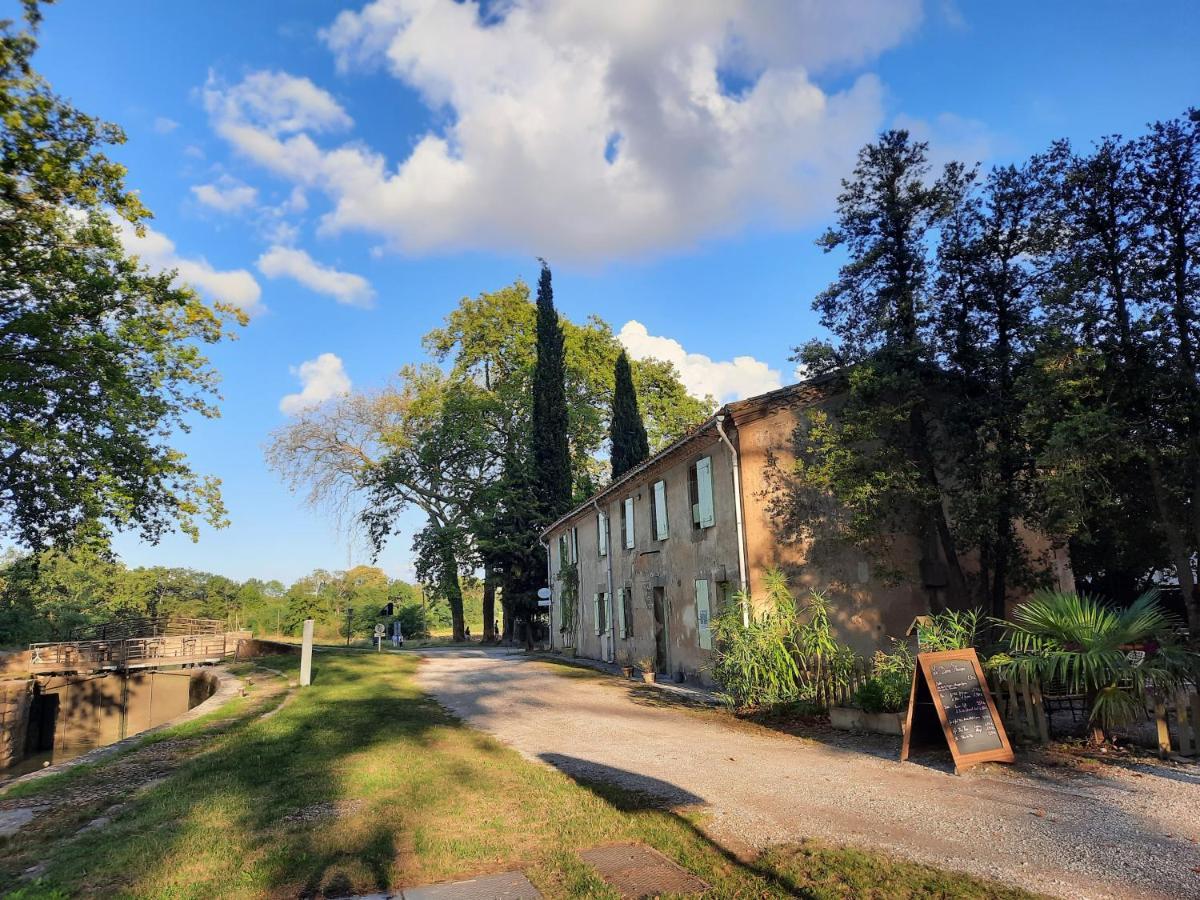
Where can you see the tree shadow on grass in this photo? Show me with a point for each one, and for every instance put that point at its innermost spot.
(630, 792)
(276, 791)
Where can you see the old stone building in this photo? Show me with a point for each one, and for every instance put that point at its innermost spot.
(659, 551)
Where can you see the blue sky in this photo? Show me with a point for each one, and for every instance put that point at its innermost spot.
(348, 171)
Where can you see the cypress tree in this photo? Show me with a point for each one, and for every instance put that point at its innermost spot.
(551, 452)
(629, 443)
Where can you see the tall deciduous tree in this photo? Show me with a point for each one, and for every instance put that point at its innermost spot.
(550, 443)
(992, 266)
(627, 433)
(99, 359)
(879, 456)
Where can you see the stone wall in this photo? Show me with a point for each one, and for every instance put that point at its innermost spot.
(15, 697)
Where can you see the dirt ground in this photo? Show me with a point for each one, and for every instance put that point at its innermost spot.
(1108, 831)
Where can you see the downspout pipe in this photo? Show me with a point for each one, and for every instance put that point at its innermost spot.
(743, 575)
(550, 585)
(612, 641)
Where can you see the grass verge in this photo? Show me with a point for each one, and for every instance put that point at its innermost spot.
(361, 783)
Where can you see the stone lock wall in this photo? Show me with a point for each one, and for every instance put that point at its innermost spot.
(15, 697)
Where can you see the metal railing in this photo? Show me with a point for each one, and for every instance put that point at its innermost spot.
(146, 626)
(130, 653)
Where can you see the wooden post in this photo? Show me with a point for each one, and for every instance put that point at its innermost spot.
(306, 654)
(1014, 708)
(1195, 719)
(1189, 725)
(1039, 713)
(1164, 733)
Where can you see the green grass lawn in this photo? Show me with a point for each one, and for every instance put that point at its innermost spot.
(361, 783)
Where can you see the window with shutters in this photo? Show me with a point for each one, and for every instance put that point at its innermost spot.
(574, 545)
(703, 614)
(700, 493)
(599, 607)
(602, 534)
(627, 612)
(627, 522)
(564, 554)
(658, 510)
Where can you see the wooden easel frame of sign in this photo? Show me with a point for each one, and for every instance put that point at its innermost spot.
(950, 683)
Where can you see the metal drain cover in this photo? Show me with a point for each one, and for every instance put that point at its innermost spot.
(509, 885)
(640, 871)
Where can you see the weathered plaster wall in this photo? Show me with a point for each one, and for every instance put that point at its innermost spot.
(672, 564)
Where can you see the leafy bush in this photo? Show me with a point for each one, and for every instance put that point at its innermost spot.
(949, 630)
(882, 694)
(888, 688)
(784, 656)
(1110, 656)
(413, 621)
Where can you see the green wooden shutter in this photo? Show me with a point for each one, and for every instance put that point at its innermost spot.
(702, 614)
(602, 533)
(660, 510)
(629, 523)
(596, 612)
(622, 628)
(704, 491)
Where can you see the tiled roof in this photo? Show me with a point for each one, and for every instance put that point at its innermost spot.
(811, 390)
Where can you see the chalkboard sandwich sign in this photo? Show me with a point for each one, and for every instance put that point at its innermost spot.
(950, 700)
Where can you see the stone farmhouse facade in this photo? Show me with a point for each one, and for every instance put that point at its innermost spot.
(659, 551)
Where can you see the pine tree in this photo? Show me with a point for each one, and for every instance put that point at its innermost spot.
(626, 431)
(551, 451)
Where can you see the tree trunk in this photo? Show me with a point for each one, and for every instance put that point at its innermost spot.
(489, 606)
(956, 584)
(1178, 546)
(453, 591)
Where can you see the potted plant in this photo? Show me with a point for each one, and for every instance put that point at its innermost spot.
(646, 664)
(880, 702)
(626, 666)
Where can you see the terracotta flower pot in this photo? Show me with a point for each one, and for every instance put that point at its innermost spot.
(649, 677)
(627, 671)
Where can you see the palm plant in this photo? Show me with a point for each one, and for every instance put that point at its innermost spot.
(1111, 656)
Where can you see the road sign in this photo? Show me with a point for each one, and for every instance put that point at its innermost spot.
(544, 593)
(379, 630)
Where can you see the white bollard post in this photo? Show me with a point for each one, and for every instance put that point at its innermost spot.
(306, 654)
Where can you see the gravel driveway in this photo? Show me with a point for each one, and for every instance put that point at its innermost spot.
(1121, 833)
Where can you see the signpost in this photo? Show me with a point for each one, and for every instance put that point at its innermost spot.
(379, 632)
(306, 654)
(950, 700)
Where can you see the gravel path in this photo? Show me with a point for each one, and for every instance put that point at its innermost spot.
(1120, 833)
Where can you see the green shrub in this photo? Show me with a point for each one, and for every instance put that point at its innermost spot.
(883, 693)
(785, 655)
(949, 630)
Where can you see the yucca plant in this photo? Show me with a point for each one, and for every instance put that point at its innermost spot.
(1109, 655)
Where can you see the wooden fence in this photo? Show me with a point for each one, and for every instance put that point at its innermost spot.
(1027, 709)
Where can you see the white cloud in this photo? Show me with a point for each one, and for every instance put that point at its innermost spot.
(290, 262)
(277, 103)
(234, 286)
(226, 195)
(163, 125)
(735, 379)
(321, 379)
(588, 130)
